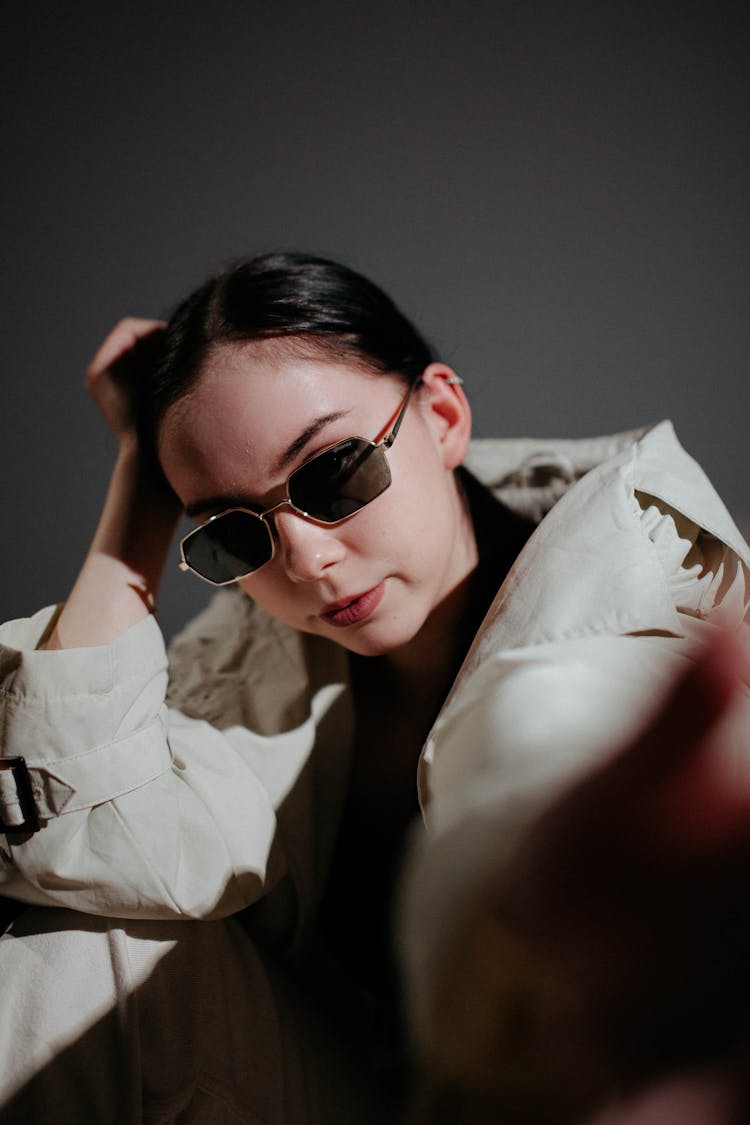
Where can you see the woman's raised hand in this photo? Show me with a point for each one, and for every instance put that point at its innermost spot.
(635, 887)
(123, 360)
(636, 881)
(613, 952)
(119, 580)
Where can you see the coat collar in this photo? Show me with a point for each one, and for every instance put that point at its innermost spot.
(588, 569)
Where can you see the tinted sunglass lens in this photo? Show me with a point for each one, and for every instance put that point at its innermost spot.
(341, 480)
(229, 547)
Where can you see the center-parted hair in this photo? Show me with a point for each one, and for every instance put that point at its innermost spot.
(315, 303)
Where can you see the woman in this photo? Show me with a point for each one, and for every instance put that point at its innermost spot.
(318, 444)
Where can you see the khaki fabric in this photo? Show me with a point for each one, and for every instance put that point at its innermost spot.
(190, 789)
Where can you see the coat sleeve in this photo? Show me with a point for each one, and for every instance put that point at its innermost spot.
(145, 811)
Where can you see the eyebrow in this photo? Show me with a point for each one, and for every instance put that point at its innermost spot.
(306, 436)
(237, 500)
(220, 503)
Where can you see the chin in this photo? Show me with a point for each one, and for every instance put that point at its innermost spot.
(374, 640)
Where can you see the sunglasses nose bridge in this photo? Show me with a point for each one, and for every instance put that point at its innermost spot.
(268, 519)
(305, 547)
(267, 516)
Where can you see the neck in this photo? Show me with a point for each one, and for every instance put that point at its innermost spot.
(416, 678)
(426, 667)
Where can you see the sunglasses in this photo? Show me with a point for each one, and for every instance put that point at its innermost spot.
(328, 488)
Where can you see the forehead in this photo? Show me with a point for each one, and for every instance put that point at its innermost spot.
(251, 402)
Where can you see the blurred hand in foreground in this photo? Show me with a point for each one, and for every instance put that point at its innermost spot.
(613, 952)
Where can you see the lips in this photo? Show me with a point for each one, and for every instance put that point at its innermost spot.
(348, 611)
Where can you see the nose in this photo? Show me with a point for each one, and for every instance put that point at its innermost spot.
(305, 549)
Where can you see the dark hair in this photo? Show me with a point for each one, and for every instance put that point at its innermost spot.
(318, 304)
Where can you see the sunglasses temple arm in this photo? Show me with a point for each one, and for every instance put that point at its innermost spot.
(389, 439)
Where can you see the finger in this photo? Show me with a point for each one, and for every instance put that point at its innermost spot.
(625, 803)
(670, 795)
(691, 710)
(124, 336)
(704, 809)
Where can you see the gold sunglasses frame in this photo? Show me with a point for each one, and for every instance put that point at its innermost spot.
(385, 443)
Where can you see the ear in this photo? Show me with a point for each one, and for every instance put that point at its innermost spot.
(447, 411)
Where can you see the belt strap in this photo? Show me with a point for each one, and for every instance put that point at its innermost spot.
(17, 805)
(33, 791)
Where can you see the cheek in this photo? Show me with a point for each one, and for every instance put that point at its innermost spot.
(418, 504)
(404, 532)
(268, 586)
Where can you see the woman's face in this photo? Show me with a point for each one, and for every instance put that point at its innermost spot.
(371, 581)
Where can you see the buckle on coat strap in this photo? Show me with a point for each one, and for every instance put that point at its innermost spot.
(20, 773)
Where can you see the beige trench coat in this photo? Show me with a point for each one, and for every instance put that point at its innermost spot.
(229, 791)
(165, 800)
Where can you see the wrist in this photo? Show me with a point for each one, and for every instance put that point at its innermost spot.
(128, 443)
(139, 517)
(137, 471)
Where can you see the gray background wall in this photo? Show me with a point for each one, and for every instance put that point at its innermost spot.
(557, 193)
